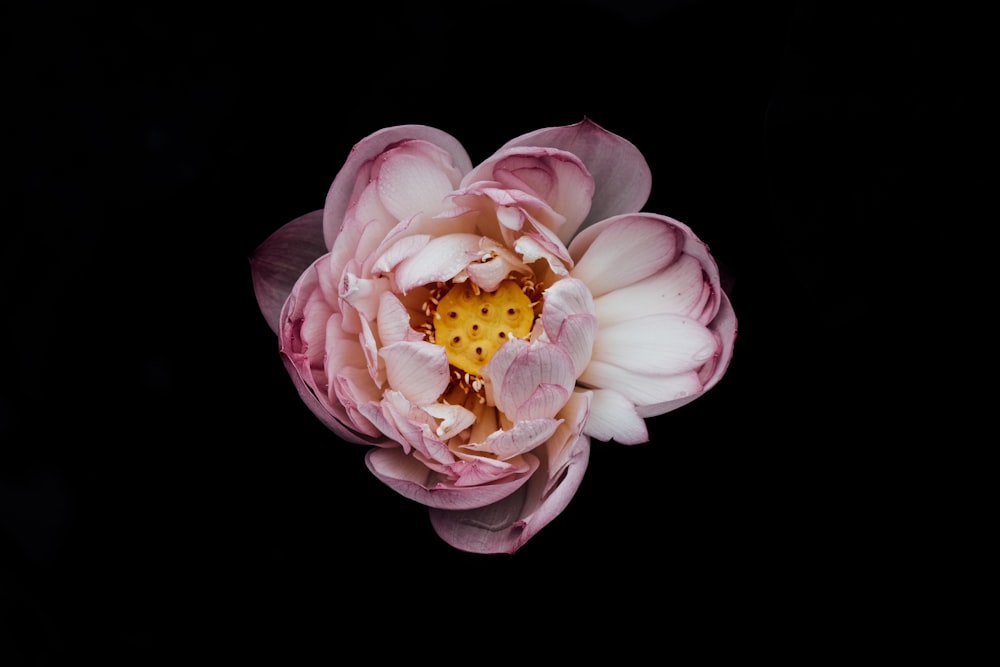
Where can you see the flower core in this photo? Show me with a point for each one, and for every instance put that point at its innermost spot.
(472, 324)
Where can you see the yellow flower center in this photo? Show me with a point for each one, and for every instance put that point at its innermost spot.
(472, 324)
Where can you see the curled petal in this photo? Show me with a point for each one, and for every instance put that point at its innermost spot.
(569, 320)
(412, 479)
(624, 249)
(339, 198)
(553, 176)
(521, 438)
(279, 261)
(529, 378)
(622, 179)
(394, 321)
(441, 259)
(505, 526)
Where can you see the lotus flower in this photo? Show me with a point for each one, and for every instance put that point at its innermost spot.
(478, 326)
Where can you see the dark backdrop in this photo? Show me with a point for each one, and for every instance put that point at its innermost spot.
(162, 485)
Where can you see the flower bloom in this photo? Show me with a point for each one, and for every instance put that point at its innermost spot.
(477, 326)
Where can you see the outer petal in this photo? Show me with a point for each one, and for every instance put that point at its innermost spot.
(339, 196)
(625, 249)
(411, 478)
(622, 179)
(613, 417)
(505, 526)
(724, 325)
(279, 261)
(661, 344)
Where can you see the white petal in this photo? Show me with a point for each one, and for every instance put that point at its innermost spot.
(613, 417)
(410, 180)
(623, 250)
(440, 260)
(681, 288)
(639, 388)
(656, 345)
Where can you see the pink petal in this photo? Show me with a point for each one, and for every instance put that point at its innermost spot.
(614, 417)
(279, 261)
(661, 344)
(412, 479)
(394, 321)
(569, 321)
(556, 177)
(414, 177)
(418, 370)
(505, 526)
(518, 368)
(622, 179)
(624, 249)
(440, 260)
(521, 438)
(681, 288)
(343, 188)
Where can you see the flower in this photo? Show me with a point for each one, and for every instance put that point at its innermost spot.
(478, 326)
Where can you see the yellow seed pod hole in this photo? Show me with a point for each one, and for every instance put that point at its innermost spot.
(471, 327)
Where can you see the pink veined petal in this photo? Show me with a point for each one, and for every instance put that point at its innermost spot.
(418, 370)
(554, 176)
(399, 250)
(546, 400)
(640, 388)
(414, 177)
(279, 261)
(622, 180)
(505, 526)
(568, 319)
(394, 321)
(521, 438)
(681, 288)
(623, 250)
(614, 417)
(662, 344)
(474, 470)
(412, 479)
(341, 191)
(440, 260)
(518, 368)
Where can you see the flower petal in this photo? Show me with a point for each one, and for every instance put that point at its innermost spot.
(441, 259)
(505, 526)
(681, 288)
(662, 344)
(343, 188)
(624, 249)
(414, 177)
(521, 438)
(640, 388)
(614, 417)
(418, 370)
(621, 175)
(412, 479)
(279, 261)
(528, 378)
(569, 322)
(555, 177)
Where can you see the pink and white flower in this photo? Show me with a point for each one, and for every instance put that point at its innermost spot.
(477, 326)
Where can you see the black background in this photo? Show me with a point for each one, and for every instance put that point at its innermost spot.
(161, 485)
